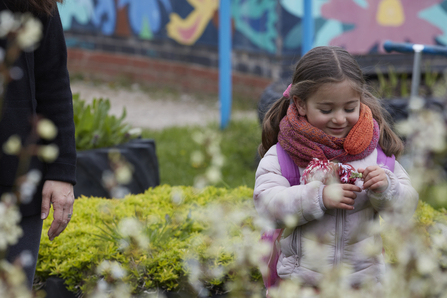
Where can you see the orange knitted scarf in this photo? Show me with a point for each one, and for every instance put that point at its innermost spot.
(302, 141)
(360, 136)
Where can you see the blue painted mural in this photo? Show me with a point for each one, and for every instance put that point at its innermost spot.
(263, 25)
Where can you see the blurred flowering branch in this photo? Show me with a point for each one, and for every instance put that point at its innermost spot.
(209, 156)
(20, 32)
(425, 132)
(120, 174)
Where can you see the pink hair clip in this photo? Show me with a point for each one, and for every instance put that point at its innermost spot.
(286, 93)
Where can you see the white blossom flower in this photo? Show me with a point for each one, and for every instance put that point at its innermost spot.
(26, 258)
(46, 129)
(119, 192)
(13, 145)
(13, 282)
(27, 191)
(113, 290)
(291, 220)
(8, 23)
(177, 196)
(102, 285)
(48, 153)
(16, 73)
(123, 174)
(335, 195)
(132, 228)
(30, 33)
(425, 264)
(198, 137)
(111, 267)
(197, 158)
(213, 175)
(108, 179)
(371, 249)
(200, 182)
(10, 230)
(218, 160)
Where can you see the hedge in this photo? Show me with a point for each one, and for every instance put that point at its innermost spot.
(172, 218)
(76, 253)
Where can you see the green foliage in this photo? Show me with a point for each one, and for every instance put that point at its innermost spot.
(170, 216)
(173, 219)
(239, 144)
(392, 85)
(398, 85)
(430, 78)
(435, 195)
(426, 215)
(95, 128)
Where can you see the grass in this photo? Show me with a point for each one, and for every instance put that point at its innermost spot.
(239, 145)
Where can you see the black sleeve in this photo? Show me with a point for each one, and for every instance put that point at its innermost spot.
(54, 98)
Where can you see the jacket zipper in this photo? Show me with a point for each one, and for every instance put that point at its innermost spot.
(297, 242)
(340, 217)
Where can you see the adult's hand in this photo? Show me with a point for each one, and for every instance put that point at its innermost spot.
(60, 194)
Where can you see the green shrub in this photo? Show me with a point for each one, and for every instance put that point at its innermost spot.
(95, 128)
(171, 224)
(173, 220)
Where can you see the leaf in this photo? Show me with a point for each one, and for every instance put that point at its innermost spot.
(95, 128)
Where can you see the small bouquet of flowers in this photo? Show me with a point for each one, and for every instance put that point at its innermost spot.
(325, 171)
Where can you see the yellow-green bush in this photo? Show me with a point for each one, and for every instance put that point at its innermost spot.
(75, 254)
(172, 217)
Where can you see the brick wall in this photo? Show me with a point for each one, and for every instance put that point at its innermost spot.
(160, 73)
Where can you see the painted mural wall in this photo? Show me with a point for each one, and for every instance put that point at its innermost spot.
(358, 25)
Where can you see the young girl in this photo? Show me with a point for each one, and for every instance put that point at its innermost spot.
(327, 113)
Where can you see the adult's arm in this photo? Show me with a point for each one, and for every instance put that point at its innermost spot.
(54, 98)
(54, 102)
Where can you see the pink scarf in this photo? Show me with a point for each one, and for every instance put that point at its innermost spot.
(303, 142)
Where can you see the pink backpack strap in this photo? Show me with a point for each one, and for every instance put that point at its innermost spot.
(272, 237)
(288, 168)
(292, 173)
(384, 161)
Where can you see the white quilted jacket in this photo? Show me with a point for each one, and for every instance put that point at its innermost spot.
(324, 237)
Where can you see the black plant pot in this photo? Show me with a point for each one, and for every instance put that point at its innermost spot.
(92, 163)
(398, 107)
(55, 288)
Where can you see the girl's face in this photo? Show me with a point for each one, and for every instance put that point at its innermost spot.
(334, 108)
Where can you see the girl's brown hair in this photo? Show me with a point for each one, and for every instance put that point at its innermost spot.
(319, 66)
(38, 7)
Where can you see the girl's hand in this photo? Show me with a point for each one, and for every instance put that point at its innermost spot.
(374, 178)
(340, 196)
